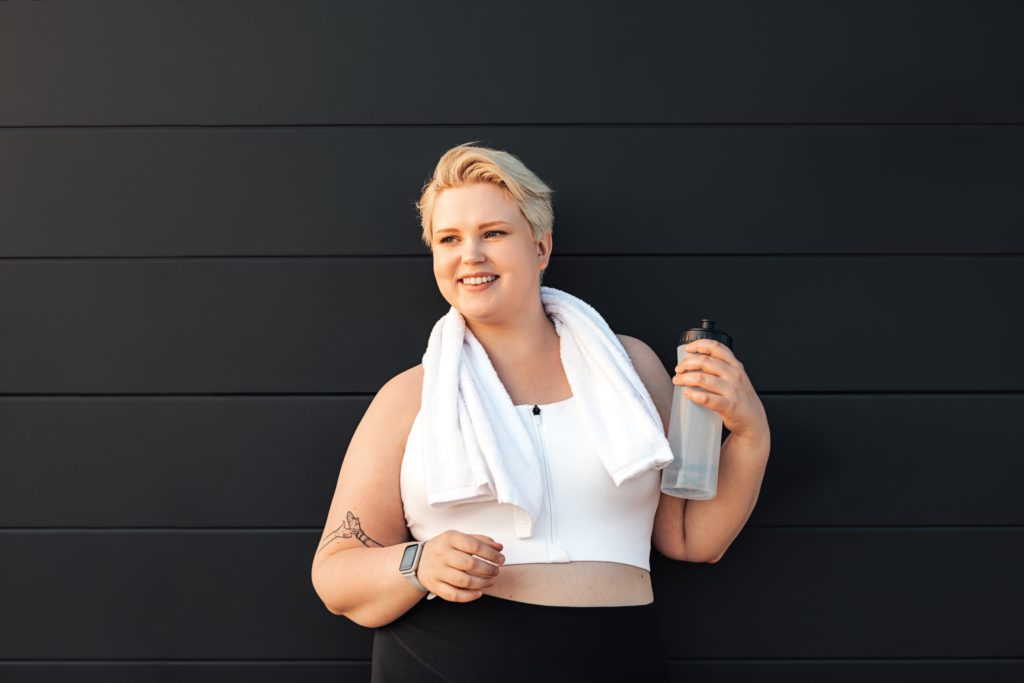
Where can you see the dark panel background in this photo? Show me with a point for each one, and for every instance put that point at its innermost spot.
(210, 261)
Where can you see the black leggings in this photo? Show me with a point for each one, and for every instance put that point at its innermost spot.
(494, 639)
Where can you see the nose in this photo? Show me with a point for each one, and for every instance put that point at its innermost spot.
(471, 251)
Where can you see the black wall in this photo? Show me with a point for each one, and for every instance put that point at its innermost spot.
(210, 261)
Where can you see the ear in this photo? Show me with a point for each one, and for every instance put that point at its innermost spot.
(544, 250)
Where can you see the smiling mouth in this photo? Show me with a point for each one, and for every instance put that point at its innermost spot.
(482, 285)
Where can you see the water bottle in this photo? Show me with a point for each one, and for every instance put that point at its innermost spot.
(694, 431)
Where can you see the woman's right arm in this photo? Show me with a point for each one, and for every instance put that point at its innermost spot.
(355, 567)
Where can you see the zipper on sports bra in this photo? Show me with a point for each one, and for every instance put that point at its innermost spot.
(547, 472)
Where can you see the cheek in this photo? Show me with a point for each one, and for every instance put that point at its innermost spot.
(444, 272)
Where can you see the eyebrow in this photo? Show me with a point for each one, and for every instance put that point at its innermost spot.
(479, 227)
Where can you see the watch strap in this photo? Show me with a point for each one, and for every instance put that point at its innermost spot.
(410, 574)
(416, 583)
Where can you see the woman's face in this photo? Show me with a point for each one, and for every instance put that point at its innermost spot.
(475, 229)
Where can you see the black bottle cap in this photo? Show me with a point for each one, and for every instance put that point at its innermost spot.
(705, 331)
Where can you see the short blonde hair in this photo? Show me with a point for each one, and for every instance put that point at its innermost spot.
(467, 163)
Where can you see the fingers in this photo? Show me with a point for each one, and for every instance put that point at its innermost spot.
(456, 559)
(714, 348)
(706, 373)
(459, 579)
(465, 565)
(452, 594)
(701, 380)
(704, 363)
(479, 545)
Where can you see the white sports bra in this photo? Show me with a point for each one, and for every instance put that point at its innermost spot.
(585, 516)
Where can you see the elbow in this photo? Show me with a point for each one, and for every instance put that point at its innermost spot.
(335, 612)
(355, 617)
(682, 553)
(673, 551)
(321, 595)
(716, 557)
(327, 606)
(366, 619)
(362, 615)
(704, 557)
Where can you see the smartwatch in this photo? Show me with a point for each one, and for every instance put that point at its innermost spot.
(410, 563)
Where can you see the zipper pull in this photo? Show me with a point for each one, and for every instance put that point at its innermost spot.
(536, 415)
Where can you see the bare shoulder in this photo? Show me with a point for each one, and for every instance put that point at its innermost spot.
(405, 389)
(642, 355)
(652, 373)
(395, 405)
(394, 408)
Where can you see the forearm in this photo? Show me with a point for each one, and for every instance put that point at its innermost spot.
(364, 585)
(710, 526)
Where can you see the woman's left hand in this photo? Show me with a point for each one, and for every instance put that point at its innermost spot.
(725, 387)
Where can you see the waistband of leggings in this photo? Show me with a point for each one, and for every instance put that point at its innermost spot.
(486, 601)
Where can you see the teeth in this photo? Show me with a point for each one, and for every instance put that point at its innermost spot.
(478, 280)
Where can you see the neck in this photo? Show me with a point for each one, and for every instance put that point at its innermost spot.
(518, 341)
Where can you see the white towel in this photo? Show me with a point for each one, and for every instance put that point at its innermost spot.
(475, 447)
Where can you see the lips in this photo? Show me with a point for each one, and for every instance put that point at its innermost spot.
(480, 287)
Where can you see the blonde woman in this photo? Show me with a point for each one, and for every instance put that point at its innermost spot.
(575, 597)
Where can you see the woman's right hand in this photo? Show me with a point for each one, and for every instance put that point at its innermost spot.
(450, 570)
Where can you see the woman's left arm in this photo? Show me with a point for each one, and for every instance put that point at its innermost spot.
(701, 530)
(712, 525)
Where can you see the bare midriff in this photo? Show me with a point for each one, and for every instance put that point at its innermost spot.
(574, 584)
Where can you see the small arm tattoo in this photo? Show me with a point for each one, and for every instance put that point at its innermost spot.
(351, 528)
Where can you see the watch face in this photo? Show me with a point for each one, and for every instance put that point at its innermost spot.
(407, 558)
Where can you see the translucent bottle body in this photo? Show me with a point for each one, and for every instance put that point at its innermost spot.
(695, 435)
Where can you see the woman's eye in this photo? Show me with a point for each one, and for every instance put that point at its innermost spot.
(445, 239)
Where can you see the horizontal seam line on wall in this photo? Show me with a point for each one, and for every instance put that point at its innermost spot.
(314, 662)
(562, 256)
(571, 124)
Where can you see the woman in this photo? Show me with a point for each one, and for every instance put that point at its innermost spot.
(576, 597)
